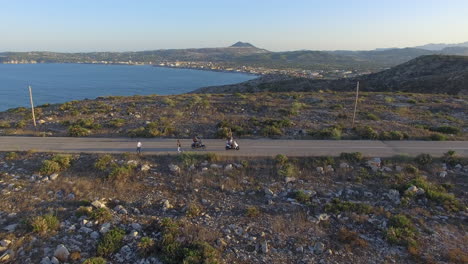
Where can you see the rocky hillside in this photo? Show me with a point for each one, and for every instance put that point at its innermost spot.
(88, 209)
(299, 115)
(425, 74)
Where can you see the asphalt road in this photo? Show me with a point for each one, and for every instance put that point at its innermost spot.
(248, 147)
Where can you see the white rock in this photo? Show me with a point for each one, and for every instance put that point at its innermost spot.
(145, 167)
(45, 260)
(268, 192)
(324, 217)
(54, 260)
(289, 179)
(344, 165)
(136, 226)
(5, 243)
(53, 177)
(216, 166)
(105, 228)
(94, 235)
(167, 205)
(319, 169)
(442, 174)
(174, 168)
(228, 167)
(264, 246)
(132, 162)
(10, 228)
(98, 204)
(61, 253)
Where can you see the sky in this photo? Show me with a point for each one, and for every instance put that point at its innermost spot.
(277, 25)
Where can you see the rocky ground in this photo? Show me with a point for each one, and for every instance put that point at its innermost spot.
(202, 208)
(295, 115)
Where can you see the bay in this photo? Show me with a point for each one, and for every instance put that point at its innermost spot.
(58, 83)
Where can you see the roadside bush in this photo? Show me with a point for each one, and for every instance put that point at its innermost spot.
(11, 156)
(64, 161)
(287, 170)
(451, 158)
(281, 159)
(438, 137)
(20, 124)
(116, 123)
(87, 123)
(111, 242)
(393, 135)
(78, 131)
(411, 169)
(367, 132)
(423, 159)
(104, 162)
(169, 102)
(271, 131)
(353, 157)
(49, 167)
(44, 224)
(226, 129)
(437, 193)
(121, 173)
(327, 133)
(4, 124)
(446, 129)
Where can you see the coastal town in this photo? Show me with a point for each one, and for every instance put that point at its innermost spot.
(223, 67)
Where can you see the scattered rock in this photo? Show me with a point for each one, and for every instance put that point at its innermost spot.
(174, 168)
(145, 167)
(442, 174)
(61, 253)
(166, 205)
(289, 179)
(264, 247)
(97, 204)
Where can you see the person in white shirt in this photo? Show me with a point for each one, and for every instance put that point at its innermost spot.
(138, 147)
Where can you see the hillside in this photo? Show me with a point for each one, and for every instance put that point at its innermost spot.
(205, 208)
(243, 54)
(425, 74)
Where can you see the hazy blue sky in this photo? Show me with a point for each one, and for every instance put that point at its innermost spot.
(118, 25)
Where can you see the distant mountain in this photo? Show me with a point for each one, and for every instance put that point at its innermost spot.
(441, 46)
(245, 54)
(241, 44)
(425, 74)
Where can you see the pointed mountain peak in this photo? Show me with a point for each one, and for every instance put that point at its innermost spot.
(241, 44)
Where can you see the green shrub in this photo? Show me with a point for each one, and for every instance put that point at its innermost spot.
(327, 133)
(287, 170)
(401, 231)
(169, 102)
(437, 193)
(301, 196)
(370, 116)
(121, 173)
(111, 242)
(96, 260)
(281, 159)
(4, 124)
(119, 122)
(393, 135)
(411, 169)
(49, 167)
(63, 160)
(451, 158)
(175, 250)
(336, 206)
(438, 137)
(44, 224)
(101, 215)
(446, 129)
(87, 123)
(193, 210)
(21, 124)
(252, 211)
(367, 132)
(11, 156)
(271, 131)
(146, 246)
(423, 159)
(104, 162)
(353, 157)
(78, 131)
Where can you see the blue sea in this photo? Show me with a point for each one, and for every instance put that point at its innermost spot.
(58, 83)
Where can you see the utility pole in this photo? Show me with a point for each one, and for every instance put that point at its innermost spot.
(32, 106)
(355, 104)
